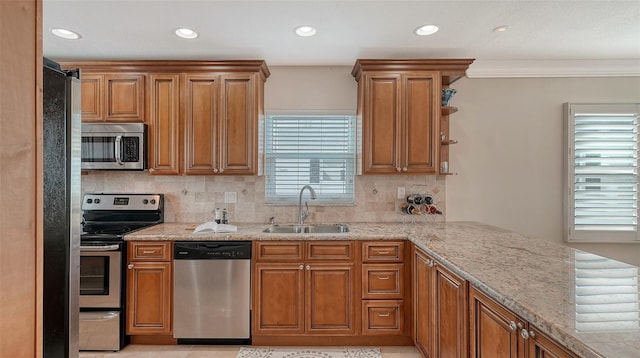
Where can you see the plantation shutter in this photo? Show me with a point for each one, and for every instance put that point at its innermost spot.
(314, 150)
(606, 294)
(603, 171)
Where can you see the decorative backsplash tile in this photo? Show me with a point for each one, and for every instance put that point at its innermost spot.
(193, 198)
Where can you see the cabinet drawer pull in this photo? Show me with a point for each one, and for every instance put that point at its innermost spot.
(383, 277)
(385, 252)
(149, 251)
(384, 314)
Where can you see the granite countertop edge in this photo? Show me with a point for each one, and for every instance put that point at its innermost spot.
(446, 243)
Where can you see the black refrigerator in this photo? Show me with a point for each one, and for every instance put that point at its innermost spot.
(62, 214)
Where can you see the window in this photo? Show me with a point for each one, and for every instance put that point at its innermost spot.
(606, 294)
(601, 200)
(314, 150)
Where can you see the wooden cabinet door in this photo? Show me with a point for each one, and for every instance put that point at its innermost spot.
(278, 298)
(331, 298)
(494, 332)
(238, 125)
(421, 120)
(92, 94)
(450, 298)
(164, 124)
(541, 346)
(382, 125)
(423, 304)
(200, 123)
(124, 97)
(149, 286)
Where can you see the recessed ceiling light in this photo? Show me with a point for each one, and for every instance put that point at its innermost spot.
(502, 28)
(186, 33)
(65, 34)
(305, 31)
(425, 30)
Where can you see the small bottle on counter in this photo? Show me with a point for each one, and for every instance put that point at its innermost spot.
(224, 216)
(218, 216)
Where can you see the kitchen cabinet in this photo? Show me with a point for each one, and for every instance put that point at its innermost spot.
(112, 97)
(399, 106)
(164, 124)
(383, 288)
(440, 309)
(149, 285)
(305, 288)
(497, 332)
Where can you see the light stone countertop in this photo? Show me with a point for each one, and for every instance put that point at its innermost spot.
(534, 278)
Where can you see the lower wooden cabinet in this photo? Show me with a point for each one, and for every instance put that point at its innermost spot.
(309, 296)
(496, 332)
(149, 288)
(440, 309)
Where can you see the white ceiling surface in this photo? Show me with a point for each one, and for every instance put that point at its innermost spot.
(543, 36)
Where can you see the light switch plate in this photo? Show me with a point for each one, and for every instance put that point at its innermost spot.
(230, 197)
(400, 192)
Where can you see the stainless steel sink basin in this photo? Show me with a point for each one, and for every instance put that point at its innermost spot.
(307, 229)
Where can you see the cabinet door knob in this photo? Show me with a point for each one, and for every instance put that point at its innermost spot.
(524, 334)
(221, 170)
(512, 326)
(308, 267)
(130, 266)
(215, 170)
(300, 267)
(151, 170)
(398, 169)
(404, 169)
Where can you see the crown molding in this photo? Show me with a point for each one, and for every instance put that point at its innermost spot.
(546, 68)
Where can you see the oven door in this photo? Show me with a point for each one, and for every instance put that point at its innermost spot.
(100, 274)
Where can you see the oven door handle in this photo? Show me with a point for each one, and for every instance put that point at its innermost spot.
(102, 317)
(115, 247)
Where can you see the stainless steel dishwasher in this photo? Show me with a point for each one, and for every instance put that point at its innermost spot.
(212, 292)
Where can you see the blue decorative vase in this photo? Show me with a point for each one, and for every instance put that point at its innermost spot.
(447, 94)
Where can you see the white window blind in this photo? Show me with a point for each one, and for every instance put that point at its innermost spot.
(602, 172)
(315, 150)
(606, 294)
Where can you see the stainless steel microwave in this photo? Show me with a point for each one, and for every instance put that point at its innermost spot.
(114, 146)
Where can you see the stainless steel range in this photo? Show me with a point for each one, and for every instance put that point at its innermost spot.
(106, 219)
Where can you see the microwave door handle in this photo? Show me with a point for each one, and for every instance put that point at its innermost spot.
(119, 150)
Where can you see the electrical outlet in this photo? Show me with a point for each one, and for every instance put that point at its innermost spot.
(230, 197)
(400, 192)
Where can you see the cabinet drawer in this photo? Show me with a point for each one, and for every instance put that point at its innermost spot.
(382, 281)
(387, 251)
(149, 251)
(382, 317)
(278, 251)
(342, 251)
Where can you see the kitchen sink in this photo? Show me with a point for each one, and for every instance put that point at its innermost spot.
(307, 229)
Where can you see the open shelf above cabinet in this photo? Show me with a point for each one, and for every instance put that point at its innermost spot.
(448, 110)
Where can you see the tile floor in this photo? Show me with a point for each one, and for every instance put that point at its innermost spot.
(188, 351)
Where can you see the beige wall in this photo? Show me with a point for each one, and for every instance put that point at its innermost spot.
(510, 152)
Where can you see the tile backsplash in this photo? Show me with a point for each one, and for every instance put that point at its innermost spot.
(193, 198)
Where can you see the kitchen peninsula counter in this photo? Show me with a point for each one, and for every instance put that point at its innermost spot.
(534, 278)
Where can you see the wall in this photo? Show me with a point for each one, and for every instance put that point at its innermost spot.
(21, 178)
(307, 89)
(510, 152)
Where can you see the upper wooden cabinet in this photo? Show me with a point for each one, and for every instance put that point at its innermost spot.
(113, 97)
(203, 116)
(399, 104)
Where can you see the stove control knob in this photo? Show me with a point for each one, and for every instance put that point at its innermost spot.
(97, 201)
(89, 201)
(145, 201)
(153, 201)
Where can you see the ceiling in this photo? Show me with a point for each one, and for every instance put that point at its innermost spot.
(561, 33)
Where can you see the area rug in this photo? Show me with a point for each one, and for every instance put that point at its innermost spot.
(306, 352)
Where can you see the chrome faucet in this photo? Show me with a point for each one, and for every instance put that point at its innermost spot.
(303, 215)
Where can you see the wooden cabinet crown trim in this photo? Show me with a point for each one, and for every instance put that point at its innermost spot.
(451, 69)
(172, 66)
